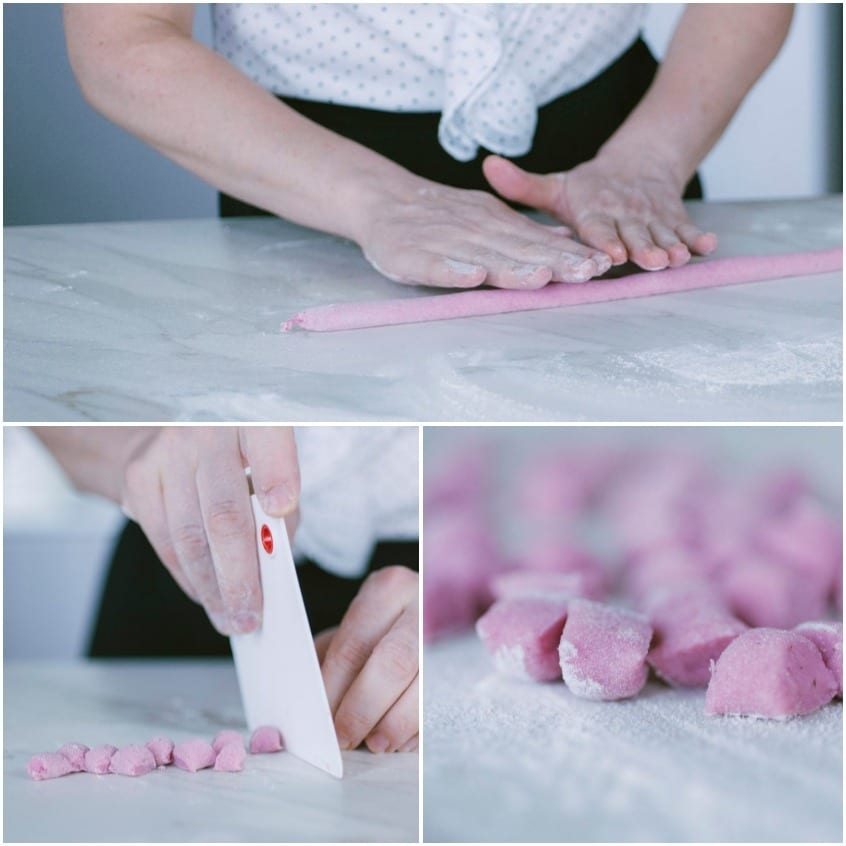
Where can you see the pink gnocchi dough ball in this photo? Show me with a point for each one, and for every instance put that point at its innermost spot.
(522, 636)
(603, 650)
(75, 753)
(691, 630)
(230, 757)
(266, 739)
(49, 765)
(98, 759)
(162, 749)
(132, 760)
(769, 673)
(226, 737)
(828, 637)
(193, 755)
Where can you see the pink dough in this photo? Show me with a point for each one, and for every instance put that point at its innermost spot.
(769, 673)
(603, 650)
(523, 635)
(828, 638)
(230, 757)
(226, 737)
(691, 630)
(705, 274)
(49, 765)
(533, 583)
(162, 749)
(266, 739)
(75, 753)
(99, 759)
(192, 755)
(551, 555)
(132, 760)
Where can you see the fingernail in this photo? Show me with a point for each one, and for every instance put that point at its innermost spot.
(378, 743)
(280, 499)
(411, 746)
(245, 622)
(343, 742)
(219, 621)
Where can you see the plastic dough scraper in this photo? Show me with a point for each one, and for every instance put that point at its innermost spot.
(277, 666)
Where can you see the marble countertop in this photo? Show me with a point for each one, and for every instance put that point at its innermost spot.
(179, 320)
(276, 797)
(515, 761)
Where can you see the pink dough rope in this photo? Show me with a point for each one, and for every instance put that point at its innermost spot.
(706, 274)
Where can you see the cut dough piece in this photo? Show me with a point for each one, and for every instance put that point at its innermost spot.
(225, 737)
(706, 274)
(540, 585)
(75, 753)
(266, 739)
(192, 755)
(231, 757)
(132, 760)
(49, 765)
(769, 673)
(828, 638)
(99, 759)
(603, 650)
(522, 636)
(162, 749)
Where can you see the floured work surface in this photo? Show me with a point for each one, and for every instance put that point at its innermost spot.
(275, 798)
(179, 320)
(511, 761)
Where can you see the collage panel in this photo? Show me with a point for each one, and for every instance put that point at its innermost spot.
(139, 562)
(633, 634)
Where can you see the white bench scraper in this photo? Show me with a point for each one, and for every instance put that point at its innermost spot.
(277, 666)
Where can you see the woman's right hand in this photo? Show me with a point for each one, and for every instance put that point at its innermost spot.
(422, 233)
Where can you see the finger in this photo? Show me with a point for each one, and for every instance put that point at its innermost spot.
(188, 535)
(641, 248)
(370, 616)
(503, 273)
(389, 670)
(230, 528)
(699, 242)
(272, 455)
(541, 191)
(322, 641)
(569, 261)
(440, 270)
(667, 239)
(400, 723)
(600, 232)
(412, 744)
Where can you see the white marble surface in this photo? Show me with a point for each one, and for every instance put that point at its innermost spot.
(516, 761)
(276, 798)
(179, 321)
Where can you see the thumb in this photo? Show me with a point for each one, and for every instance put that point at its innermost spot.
(537, 190)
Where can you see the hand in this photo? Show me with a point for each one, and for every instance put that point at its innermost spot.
(370, 665)
(628, 206)
(430, 234)
(187, 489)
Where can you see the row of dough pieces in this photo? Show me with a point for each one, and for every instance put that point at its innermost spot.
(603, 652)
(226, 753)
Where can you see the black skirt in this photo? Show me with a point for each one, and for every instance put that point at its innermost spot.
(144, 613)
(570, 130)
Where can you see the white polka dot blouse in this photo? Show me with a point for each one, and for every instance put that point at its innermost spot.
(485, 67)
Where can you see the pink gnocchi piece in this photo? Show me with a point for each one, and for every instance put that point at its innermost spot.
(551, 555)
(226, 737)
(769, 673)
(132, 760)
(532, 583)
(230, 757)
(75, 753)
(98, 760)
(828, 637)
(49, 765)
(193, 755)
(266, 739)
(522, 635)
(691, 631)
(603, 650)
(162, 749)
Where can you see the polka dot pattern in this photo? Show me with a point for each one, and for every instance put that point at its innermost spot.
(486, 67)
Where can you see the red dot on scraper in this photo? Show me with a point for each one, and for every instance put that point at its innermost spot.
(266, 539)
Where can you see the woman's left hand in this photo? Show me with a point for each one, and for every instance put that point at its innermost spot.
(629, 207)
